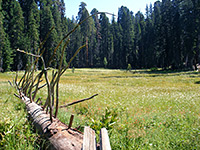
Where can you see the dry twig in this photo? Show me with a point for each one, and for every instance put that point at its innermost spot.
(78, 101)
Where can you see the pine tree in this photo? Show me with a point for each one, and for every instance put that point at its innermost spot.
(139, 39)
(157, 40)
(188, 28)
(116, 31)
(149, 39)
(47, 22)
(106, 35)
(75, 42)
(14, 27)
(125, 19)
(166, 18)
(33, 28)
(58, 27)
(176, 36)
(86, 30)
(97, 39)
(6, 52)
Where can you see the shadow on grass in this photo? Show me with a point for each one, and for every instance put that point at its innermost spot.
(157, 73)
(197, 82)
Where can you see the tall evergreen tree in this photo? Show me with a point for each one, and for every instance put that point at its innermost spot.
(149, 60)
(86, 31)
(139, 39)
(97, 42)
(188, 28)
(106, 38)
(126, 22)
(14, 26)
(157, 39)
(117, 32)
(6, 52)
(47, 22)
(33, 28)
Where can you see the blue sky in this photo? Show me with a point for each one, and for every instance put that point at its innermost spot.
(111, 6)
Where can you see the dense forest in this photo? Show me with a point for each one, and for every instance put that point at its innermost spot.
(166, 36)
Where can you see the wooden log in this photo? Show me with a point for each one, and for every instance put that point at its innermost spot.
(57, 133)
(89, 139)
(104, 140)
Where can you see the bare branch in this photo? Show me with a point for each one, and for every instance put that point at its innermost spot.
(22, 51)
(39, 99)
(71, 59)
(17, 96)
(10, 83)
(49, 96)
(58, 77)
(79, 101)
(39, 88)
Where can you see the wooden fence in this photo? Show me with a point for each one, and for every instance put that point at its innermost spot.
(89, 139)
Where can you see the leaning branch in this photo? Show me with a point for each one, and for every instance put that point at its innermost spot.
(22, 51)
(79, 101)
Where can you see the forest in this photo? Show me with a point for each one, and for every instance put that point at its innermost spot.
(167, 36)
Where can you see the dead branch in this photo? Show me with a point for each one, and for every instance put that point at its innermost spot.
(40, 87)
(10, 83)
(68, 64)
(37, 84)
(39, 99)
(49, 96)
(58, 77)
(17, 96)
(78, 101)
(22, 51)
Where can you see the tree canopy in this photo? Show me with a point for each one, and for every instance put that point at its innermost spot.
(166, 36)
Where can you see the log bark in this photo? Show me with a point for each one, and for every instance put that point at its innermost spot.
(59, 135)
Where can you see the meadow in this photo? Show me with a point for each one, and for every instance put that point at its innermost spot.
(141, 109)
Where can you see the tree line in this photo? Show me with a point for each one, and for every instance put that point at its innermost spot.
(166, 36)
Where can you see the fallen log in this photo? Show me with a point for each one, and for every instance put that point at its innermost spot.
(60, 136)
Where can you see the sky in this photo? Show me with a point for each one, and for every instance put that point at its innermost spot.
(111, 6)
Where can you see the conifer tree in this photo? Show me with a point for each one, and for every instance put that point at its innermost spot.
(139, 42)
(86, 31)
(33, 28)
(116, 31)
(58, 27)
(14, 27)
(157, 36)
(125, 19)
(6, 52)
(149, 60)
(47, 22)
(97, 39)
(105, 48)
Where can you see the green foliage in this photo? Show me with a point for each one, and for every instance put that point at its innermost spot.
(129, 67)
(107, 120)
(7, 54)
(73, 69)
(47, 22)
(16, 132)
(105, 62)
(153, 69)
(166, 37)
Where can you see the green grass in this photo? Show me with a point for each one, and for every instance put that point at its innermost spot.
(16, 132)
(141, 109)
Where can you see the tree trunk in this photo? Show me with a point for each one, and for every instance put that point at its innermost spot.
(58, 134)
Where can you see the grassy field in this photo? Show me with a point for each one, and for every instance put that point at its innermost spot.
(141, 109)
